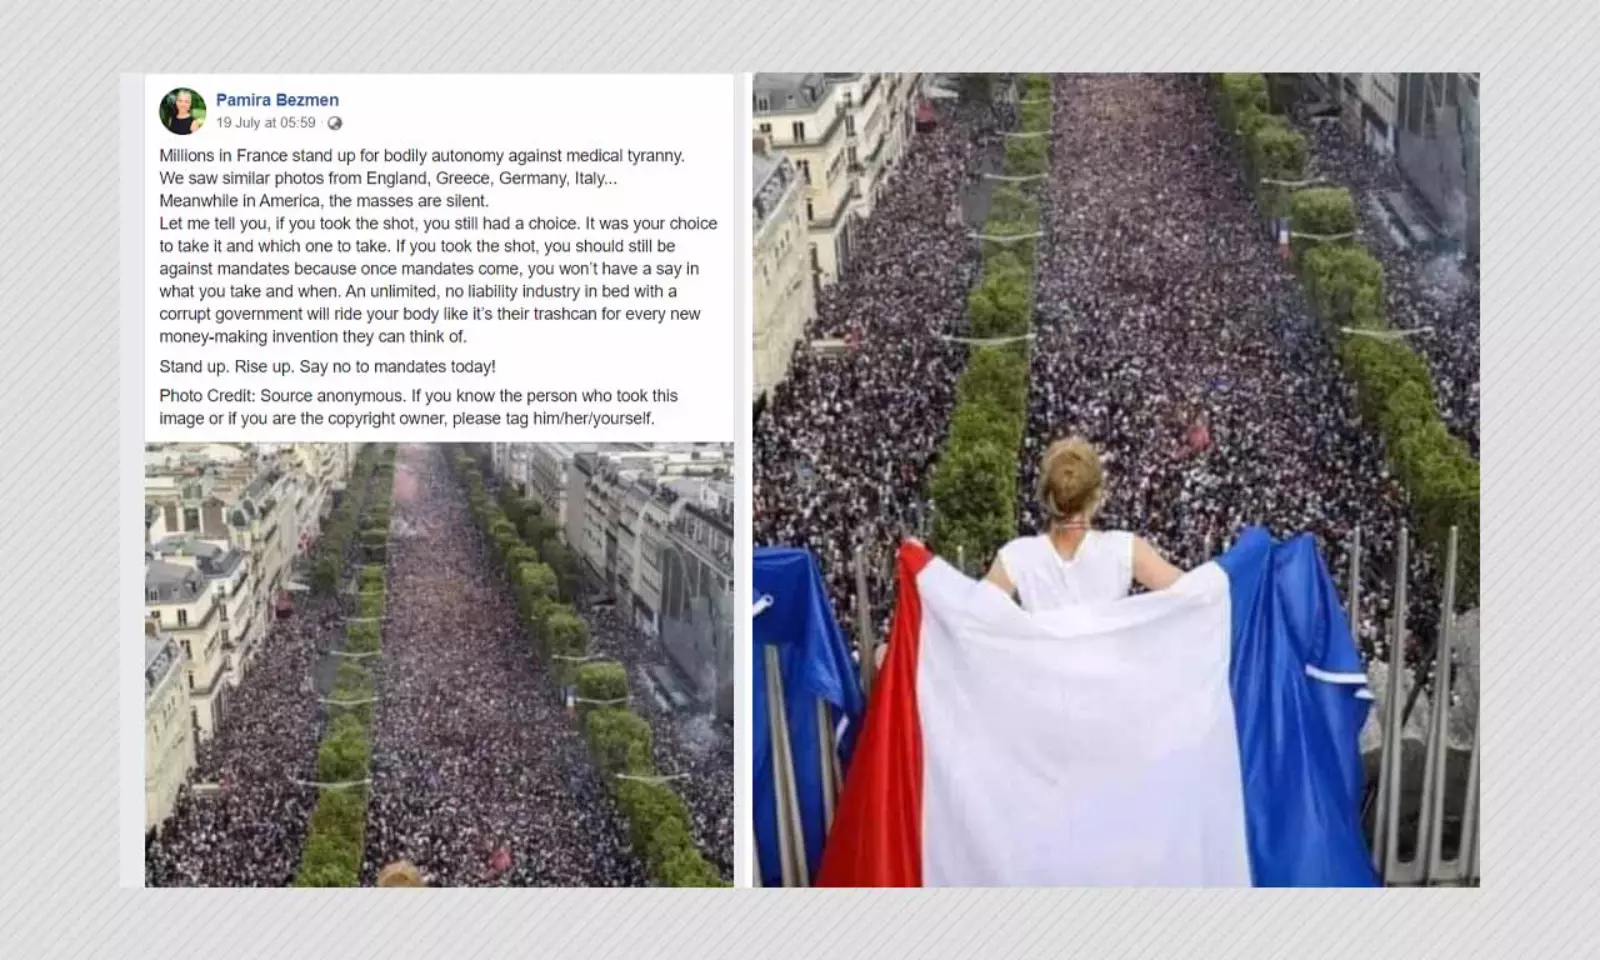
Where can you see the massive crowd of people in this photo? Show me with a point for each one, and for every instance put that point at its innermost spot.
(480, 777)
(1169, 332)
(1424, 288)
(247, 825)
(1163, 304)
(686, 742)
(842, 449)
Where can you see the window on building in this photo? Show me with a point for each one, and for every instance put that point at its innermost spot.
(849, 98)
(183, 618)
(810, 213)
(799, 130)
(191, 519)
(762, 103)
(855, 161)
(805, 171)
(850, 126)
(765, 128)
(150, 595)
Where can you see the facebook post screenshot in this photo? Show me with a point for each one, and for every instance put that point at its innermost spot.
(438, 380)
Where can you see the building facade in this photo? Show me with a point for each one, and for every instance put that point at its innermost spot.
(508, 462)
(804, 115)
(181, 603)
(696, 574)
(267, 501)
(227, 574)
(1427, 124)
(315, 468)
(834, 140)
(225, 525)
(880, 119)
(168, 725)
(783, 289)
(655, 527)
(1436, 148)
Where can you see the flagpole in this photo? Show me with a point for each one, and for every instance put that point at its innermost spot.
(755, 869)
(1386, 827)
(826, 761)
(791, 833)
(866, 640)
(1430, 828)
(1354, 593)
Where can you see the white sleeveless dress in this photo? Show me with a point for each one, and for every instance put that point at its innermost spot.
(1102, 570)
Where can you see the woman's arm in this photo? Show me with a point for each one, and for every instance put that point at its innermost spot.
(1150, 568)
(997, 576)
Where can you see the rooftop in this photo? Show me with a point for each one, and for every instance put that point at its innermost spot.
(180, 457)
(771, 176)
(762, 167)
(789, 92)
(172, 582)
(212, 560)
(160, 653)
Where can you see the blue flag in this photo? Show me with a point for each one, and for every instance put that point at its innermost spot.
(794, 616)
(1300, 699)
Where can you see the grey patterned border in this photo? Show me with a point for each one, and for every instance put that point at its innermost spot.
(64, 493)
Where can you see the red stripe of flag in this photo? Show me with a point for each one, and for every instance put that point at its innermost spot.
(876, 839)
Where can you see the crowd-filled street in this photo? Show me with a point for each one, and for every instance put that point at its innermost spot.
(1161, 304)
(844, 447)
(249, 833)
(1423, 289)
(690, 743)
(480, 777)
(250, 830)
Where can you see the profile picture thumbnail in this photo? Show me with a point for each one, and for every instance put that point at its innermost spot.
(183, 111)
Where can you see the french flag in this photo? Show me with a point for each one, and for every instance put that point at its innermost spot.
(1205, 735)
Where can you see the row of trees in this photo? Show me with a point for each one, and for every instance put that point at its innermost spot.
(337, 834)
(544, 573)
(332, 552)
(1344, 284)
(974, 487)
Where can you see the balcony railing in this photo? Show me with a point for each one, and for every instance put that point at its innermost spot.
(878, 150)
(826, 137)
(210, 688)
(872, 87)
(833, 218)
(193, 624)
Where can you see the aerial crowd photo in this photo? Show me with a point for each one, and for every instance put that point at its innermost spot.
(1116, 362)
(438, 665)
